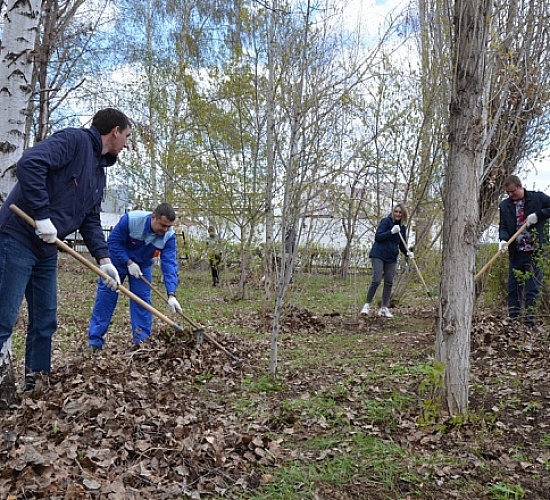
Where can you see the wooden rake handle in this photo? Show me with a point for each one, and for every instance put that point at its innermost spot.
(499, 252)
(66, 248)
(416, 266)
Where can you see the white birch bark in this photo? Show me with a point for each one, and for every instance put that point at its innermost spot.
(21, 22)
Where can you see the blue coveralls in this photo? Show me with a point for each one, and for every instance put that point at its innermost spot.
(133, 239)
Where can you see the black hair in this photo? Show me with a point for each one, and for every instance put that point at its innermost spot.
(107, 119)
(165, 210)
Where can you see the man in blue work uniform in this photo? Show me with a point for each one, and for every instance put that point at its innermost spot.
(60, 184)
(525, 252)
(132, 245)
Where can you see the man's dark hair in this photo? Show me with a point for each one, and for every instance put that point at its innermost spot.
(107, 119)
(165, 210)
(512, 180)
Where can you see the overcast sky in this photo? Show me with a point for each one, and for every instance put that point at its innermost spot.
(539, 177)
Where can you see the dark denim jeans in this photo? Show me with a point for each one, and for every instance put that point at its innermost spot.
(524, 283)
(23, 274)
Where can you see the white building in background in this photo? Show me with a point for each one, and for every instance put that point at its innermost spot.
(115, 205)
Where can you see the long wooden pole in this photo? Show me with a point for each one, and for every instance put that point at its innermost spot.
(416, 267)
(66, 248)
(499, 252)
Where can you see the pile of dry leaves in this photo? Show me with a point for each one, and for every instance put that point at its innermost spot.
(123, 424)
(161, 421)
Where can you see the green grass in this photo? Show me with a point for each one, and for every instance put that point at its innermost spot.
(373, 460)
(506, 491)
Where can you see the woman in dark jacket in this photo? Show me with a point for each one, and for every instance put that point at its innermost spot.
(383, 255)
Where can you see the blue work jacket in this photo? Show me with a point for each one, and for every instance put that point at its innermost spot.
(133, 239)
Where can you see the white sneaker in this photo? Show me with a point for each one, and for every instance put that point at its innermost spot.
(366, 309)
(384, 311)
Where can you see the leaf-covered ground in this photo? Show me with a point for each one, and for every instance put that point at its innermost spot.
(351, 415)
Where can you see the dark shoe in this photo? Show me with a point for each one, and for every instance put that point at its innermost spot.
(30, 382)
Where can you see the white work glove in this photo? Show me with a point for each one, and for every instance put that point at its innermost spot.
(395, 229)
(503, 246)
(174, 304)
(532, 219)
(45, 230)
(410, 254)
(134, 270)
(114, 278)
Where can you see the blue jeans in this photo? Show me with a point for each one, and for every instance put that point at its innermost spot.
(524, 283)
(23, 274)
(379, 269)
(105, 304)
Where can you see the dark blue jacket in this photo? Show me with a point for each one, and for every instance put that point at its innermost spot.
(535, 202)
(63, 178)
(386, 245)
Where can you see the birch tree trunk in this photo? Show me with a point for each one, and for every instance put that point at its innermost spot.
(16, 65)
(461, 217)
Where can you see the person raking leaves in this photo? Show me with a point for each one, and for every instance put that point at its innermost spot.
(133, 243)
(60, 185)
(525, 253)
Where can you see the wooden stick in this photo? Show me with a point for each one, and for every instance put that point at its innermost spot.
(499, 252)
(416, 267)
(66, 248)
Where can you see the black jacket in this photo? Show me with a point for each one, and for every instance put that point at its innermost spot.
(387, 245)
(63, 178)
(535, 202)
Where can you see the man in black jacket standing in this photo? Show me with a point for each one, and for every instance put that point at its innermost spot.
(60, 184)
(525, 252)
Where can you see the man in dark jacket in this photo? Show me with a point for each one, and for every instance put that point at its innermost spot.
(60, 185)
(525, 252)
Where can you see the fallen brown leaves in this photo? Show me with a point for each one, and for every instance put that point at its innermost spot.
(130, 424)
(162, 421)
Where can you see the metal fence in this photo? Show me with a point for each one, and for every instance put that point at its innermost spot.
(75, 241)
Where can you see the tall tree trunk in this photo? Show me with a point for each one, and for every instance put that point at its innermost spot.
(270, 182)
(16, 64)
(472, 18)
